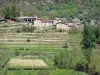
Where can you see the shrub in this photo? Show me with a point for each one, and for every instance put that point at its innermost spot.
(63, 60)
(28, 40)
(65, 45)
(98, 40)
(28, 29)
(94, 65)
(18, 31)
(17, 53)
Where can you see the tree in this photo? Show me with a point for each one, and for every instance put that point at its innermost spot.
(7, 13)
(63, 60)
(97, 34)
(92, 9)
(86, 38)
(14, 11)
(88, 42)
(11, 12)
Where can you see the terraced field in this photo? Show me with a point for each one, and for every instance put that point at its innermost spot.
(8, 35)
(30, 51)
(33, 53)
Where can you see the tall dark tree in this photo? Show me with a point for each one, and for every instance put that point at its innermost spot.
(86, 38)
(14, 11)
(97, 34)
(88, 42)
(11, 12)
(7, 13)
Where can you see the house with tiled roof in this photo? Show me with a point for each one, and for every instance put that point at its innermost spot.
(40, 22)
(27, 19)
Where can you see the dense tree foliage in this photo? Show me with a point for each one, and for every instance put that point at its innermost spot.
(70, 60)
(69, 10)
(93, 9)
(7, 13)
(11, 12)
(90, 10)
(91, 38)
(63, 60)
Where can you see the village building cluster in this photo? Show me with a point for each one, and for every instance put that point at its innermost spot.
(56, 23)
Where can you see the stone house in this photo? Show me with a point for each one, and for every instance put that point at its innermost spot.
(47, 23)
(75, 26)
(68, 26)
(61, 27)
(40, 22)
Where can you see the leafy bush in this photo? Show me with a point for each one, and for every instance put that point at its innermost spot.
(28, 40)
(65, 45)
(18, 31)
(95, 63)
(28, 29)
(17, 53)
(62, 60)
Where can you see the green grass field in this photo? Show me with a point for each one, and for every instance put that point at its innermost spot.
(45, 72)
(66, 72)
(22, 72)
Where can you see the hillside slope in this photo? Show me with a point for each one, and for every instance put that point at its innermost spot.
(51, 8)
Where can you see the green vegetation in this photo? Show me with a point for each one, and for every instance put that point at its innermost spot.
(66, 72)
(11, 12)
(63, 60)
(92, 9)
(89, 42)
(22, 72)
(45, 52)
(56, 8)
(61, 10)
(64, 53)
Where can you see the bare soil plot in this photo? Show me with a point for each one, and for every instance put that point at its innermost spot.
(27, 64)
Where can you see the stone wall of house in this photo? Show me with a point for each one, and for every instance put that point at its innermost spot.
(62, 27)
